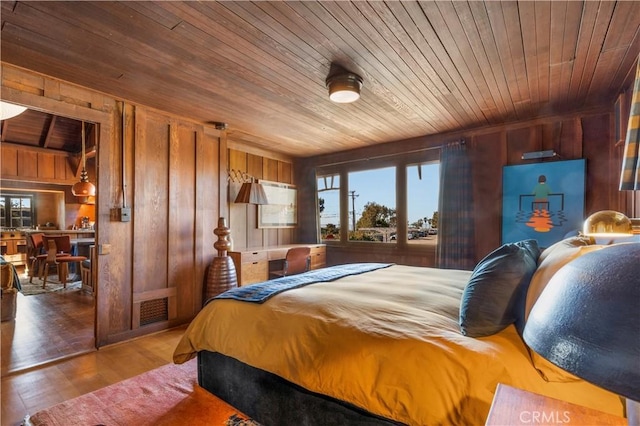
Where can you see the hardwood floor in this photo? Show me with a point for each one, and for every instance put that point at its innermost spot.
(47, 327)
(36, 389)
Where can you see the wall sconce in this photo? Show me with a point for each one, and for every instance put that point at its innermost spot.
(344, 86)
(251, 192)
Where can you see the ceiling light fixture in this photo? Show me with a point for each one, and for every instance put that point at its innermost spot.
(84, 188)
(8, 110)
(344, 86)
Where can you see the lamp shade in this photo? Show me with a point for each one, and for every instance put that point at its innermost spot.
(608, 223)
(344, 88)
(587, 319)
(252, 193)
(8, 110)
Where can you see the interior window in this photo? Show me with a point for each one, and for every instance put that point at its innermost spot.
(423, 189)
(17, 211)
(329, 207)
(372, 205)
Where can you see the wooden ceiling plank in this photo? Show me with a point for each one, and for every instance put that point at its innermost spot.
(389, 33)
(471, 86)
(529, 43)
(543, 50)
(350, 39)
(477, 28)
(329, 110)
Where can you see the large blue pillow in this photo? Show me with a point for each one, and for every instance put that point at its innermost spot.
(494, 297)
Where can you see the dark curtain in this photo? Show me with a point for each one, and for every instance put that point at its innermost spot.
(456, 239)
(630, 176)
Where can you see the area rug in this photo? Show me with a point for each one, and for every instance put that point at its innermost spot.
(166, 396)
(53, 284)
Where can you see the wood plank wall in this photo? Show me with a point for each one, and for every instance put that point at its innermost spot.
(590, 135)
(172, 173)
(243, 218)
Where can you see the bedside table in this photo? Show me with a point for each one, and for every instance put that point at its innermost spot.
(513, 406)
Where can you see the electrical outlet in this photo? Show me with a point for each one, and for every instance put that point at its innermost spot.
(125, 214)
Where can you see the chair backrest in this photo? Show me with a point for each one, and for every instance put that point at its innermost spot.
(36, 242)
(297, 261)
(57, 244)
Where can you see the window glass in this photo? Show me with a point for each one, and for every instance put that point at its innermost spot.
(17, 211)
(329, 207)
(423, 189)
(372, 205)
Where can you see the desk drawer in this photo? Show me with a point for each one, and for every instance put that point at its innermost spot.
(251, 256)
(318, 260)
(254, 272)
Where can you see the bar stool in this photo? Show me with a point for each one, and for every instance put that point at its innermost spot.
(55, 247)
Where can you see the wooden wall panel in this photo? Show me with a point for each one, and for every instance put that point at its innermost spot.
(151, 202)
(207, 205)
(28, 164)
(237, 220)
(587, 135)
(601, 184)
(255, 235)
(487, 180)
(181, 241)
(46, 166)
(9, 161)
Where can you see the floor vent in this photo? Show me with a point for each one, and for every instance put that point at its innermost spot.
(154, 310)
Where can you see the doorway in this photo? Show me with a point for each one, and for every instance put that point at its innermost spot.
(48, 160)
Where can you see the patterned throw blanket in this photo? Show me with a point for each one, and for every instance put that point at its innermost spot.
(261, 292)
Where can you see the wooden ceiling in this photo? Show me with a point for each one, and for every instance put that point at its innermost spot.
(428, 67)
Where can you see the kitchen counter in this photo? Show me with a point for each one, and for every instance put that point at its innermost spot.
(60, 231)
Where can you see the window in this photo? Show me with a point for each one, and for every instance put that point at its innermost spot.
(372, 205)
(391, 200)
(329, 207)
(16, 211)
(423, 189)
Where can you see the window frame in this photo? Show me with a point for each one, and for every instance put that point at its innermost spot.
(8, 220)
(400, 162)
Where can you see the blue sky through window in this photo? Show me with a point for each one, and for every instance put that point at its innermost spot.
(379, 185)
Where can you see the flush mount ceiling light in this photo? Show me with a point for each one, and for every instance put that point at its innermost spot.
(344, 86)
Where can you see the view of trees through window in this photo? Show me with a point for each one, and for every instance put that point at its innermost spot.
(371, 204)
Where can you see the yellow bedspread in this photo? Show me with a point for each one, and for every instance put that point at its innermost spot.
(387, 341)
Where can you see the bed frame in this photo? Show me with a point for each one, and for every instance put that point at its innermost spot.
(271, 400)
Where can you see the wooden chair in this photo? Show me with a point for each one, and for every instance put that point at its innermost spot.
(87, 272)
(59, 255)
(297, 261)
(37, 255)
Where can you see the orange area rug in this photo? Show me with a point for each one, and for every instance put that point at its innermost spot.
(168, 395)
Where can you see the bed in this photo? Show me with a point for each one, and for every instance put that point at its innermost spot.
(393, 344)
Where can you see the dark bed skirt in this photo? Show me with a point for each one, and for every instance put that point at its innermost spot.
(273, 401)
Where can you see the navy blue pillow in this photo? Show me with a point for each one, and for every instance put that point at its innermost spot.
(494, 297)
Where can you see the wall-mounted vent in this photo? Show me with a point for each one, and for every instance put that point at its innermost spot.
(154, 310)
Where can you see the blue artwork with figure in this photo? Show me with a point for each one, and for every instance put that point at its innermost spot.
(543, 201)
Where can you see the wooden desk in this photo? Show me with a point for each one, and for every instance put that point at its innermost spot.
(513, 407)
(252, 264)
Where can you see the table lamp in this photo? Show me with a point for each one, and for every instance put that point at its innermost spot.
(587, 321)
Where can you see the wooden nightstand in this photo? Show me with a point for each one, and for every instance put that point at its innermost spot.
(513, 406)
